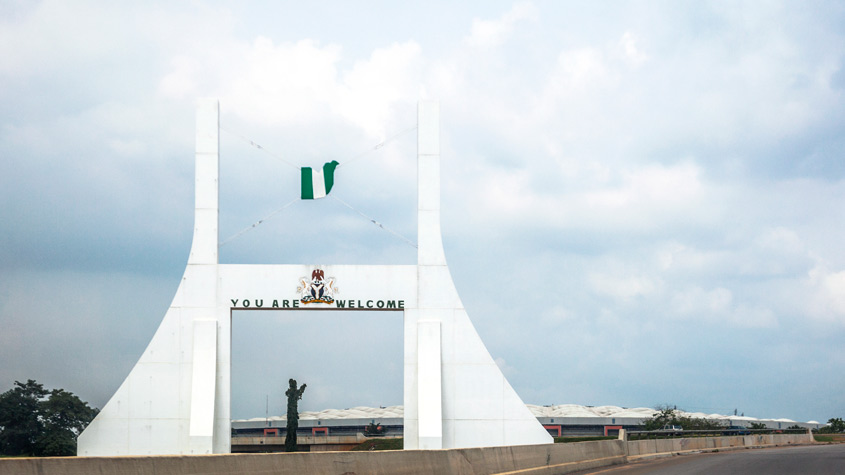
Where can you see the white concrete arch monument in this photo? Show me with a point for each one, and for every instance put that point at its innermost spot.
(176, 398)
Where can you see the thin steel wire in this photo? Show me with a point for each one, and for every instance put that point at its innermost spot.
(378, 145)
(259, 147)
(239, 233)
(380, 225)
(346, 162)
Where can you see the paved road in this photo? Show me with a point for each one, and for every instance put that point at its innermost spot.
(812, 459)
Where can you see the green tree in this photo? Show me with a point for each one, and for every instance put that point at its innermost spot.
(665, 416)
(757, 426)
(834, 426)
(65, 416)
(670, 416)
(20, 425)
(699, 423)
(374, 429)
(294, 395)
(33, 423)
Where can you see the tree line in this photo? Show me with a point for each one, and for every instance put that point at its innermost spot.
(46, 423)
(41, 423)
(671, 416)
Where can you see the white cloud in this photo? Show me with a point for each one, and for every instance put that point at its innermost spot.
(633, 54)
(578, 70)
(770, 252)
(781, 240)
(45, 40)
(181, 81)
(556, 315)
(301, 82)
(675, 255)
(128, 147)
(636, 199)
(487, 33)
(372, 88)
(828, 294)
(622, 287)
(683, 165)
(716, 306)
(695, 300)
(650, 188)
(284, 83)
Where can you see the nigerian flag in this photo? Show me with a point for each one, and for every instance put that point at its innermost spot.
(318, 183)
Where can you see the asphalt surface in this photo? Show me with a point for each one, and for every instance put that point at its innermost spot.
(809, 459)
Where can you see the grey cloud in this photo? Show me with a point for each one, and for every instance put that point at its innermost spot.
(97, 194)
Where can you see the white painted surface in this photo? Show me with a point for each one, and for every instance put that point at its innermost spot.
(203, 377)
(162, 407)
(429, 385)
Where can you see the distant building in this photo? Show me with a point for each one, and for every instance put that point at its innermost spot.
(559, 420)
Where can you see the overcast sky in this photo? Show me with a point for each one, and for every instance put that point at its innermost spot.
(642, 201)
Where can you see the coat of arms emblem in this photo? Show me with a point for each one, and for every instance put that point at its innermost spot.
(318, 289)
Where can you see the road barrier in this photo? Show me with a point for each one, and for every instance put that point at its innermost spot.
(651, 447)
(522, 460)
(487, 460)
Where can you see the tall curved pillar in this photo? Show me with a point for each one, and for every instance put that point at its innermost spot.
(172, 400)
(472, 405)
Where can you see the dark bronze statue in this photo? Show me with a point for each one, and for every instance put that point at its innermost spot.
(294, 395)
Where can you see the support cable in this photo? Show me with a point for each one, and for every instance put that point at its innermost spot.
(378, 145)
(380, 225)
(238, 234)
(259, 147)
(346, 162)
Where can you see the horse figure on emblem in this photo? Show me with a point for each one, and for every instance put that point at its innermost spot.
(318, 290)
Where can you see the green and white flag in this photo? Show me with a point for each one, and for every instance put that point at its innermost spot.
(318, 183)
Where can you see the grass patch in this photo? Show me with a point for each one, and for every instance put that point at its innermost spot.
(566, 440)
(829, 437)
(380, 444)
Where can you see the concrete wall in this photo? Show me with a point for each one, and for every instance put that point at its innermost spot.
(638, 448)
(561, 458)
(321, 443)
(528, 459)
